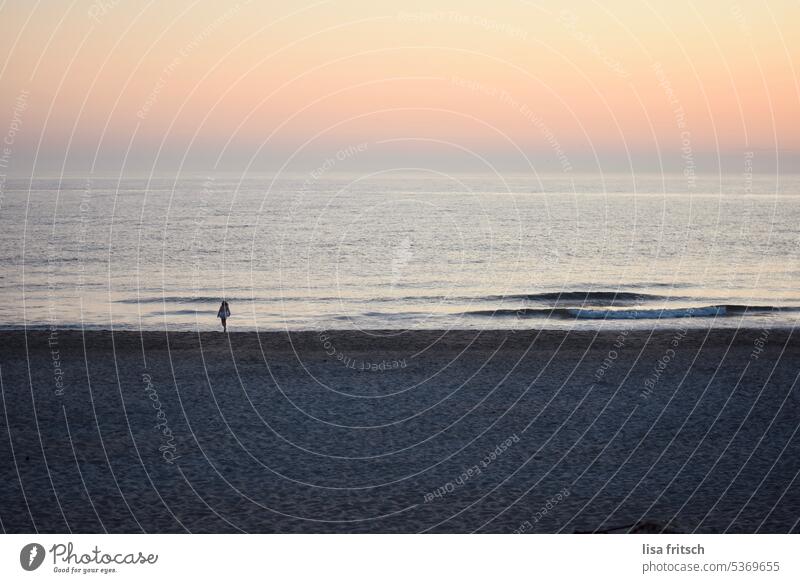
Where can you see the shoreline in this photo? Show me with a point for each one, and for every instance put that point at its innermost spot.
(337, 342)
(739, 332)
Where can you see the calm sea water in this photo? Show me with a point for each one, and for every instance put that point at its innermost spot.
(401, 250)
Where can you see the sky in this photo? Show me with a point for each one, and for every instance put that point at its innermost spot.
(119, 87)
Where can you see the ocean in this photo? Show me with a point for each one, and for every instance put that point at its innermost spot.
(400, 250)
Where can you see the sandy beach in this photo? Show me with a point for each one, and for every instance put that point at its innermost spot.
(425, 431)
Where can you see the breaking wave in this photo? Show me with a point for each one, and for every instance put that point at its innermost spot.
(633, 314)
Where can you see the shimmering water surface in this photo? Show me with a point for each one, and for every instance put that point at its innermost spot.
(400, 250)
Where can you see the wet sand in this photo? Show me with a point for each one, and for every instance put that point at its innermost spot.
(458, 431)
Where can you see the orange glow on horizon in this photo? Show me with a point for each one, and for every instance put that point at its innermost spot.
(625, 77)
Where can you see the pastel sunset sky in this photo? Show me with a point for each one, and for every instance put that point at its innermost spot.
(114, 86)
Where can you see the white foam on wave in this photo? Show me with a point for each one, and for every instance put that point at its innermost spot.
(612, 314)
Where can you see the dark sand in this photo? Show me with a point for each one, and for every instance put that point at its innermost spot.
(492, 432)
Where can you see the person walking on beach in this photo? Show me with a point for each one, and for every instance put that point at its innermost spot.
(223, 314)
